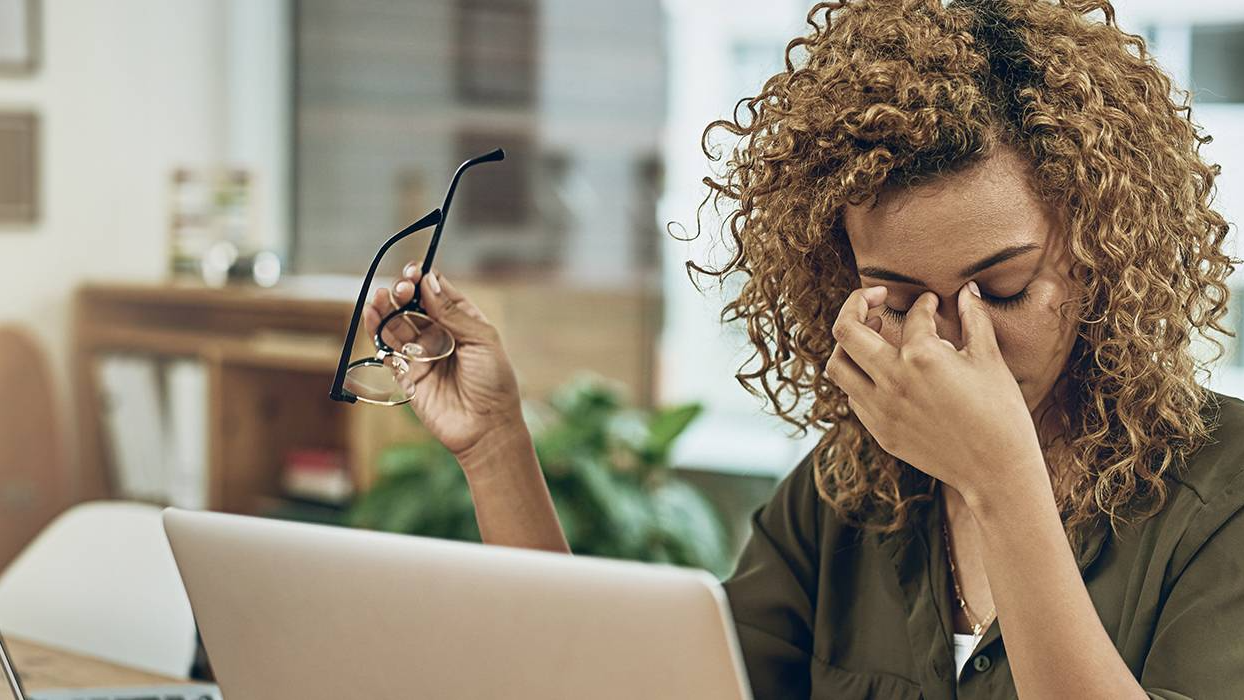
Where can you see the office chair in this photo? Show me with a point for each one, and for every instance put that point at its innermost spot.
(34, 481)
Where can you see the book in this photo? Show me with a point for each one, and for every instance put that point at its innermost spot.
(133, 418)
(185, 443)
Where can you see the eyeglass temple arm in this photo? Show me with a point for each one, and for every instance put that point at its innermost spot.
(493, 155)
(338, 393)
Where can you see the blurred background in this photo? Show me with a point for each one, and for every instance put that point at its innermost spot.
(191, 191)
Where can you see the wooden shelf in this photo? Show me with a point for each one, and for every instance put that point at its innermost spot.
(270, 356)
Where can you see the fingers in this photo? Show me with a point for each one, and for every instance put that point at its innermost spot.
(371, 319)
(443, 301)
(844, 372)
(412, 272)
(861, 341)
(978, 333)
(920, 321)
(375, 310)
(449, 307)
(410, 328)
(403, 292)
(452, 292)
(408, 374)
(384, 300)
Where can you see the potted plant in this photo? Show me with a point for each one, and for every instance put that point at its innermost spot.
(607, 469)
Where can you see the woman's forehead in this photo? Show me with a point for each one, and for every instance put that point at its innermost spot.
(988, 206)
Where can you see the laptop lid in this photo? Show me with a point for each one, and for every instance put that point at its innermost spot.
(10, 672)
(291, 610)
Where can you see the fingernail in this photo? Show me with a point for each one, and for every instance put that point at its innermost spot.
(434, 284)
(403, 287)
(410, 270)
(974, 289)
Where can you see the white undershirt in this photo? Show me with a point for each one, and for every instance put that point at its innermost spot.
(964, 644)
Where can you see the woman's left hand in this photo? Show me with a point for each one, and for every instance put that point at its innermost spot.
(956, 414)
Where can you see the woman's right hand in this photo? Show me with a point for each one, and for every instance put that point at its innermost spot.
(469, 401)
(470, 397)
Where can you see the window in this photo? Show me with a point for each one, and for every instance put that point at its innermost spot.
(390, 96)
(496, 56)
(649, 176)
(1217, 55)
(496, 194)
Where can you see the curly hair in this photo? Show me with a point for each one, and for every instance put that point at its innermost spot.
(893, 93)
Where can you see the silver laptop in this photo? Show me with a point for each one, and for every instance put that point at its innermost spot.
(195, 691)
(290, 610)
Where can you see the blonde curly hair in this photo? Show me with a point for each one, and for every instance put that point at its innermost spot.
(892, 93)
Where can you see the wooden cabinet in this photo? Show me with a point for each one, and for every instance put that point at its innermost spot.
(270, 355)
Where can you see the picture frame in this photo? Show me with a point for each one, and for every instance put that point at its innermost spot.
(20, 45)
(19, 168)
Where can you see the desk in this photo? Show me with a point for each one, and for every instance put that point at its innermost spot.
(42, 667)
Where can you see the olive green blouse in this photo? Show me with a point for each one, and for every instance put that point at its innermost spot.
(825, 610)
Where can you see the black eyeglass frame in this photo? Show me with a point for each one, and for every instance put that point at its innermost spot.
(435, 217)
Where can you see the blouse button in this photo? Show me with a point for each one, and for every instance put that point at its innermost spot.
(981, 663)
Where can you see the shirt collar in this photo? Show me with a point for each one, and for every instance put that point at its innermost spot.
(919, 559)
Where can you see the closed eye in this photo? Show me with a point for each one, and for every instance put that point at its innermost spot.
(1003, 303)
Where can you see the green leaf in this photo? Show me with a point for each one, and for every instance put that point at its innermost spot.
(630, 429)
(371, 508)
(690, 526)
(413, 457)
(666, 425)
(405, 517)
(624, 512)
(606, 469)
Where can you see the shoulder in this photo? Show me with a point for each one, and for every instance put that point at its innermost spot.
(797, 497)
(804, 497)
(1210, 488)
(797, 510)
(1218, 465)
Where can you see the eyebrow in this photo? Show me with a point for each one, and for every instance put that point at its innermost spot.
(978, 266)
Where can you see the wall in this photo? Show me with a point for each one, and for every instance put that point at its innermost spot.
(379, 117)
(717, 55)
(127, 90)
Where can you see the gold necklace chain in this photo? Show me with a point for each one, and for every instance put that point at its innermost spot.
(978, 628)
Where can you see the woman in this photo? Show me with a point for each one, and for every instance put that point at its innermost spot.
(975, 241)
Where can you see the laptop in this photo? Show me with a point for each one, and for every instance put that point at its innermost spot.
(196, 691)
(293, 610)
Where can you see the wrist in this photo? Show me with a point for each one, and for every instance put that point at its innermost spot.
(505, 440)
(1013, 489)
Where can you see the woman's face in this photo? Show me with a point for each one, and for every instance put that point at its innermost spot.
(984, 224)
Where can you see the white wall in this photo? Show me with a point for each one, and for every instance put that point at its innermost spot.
(258, 60)
(602, 76)
(716, 57)
(1172, 46)
(127, 90)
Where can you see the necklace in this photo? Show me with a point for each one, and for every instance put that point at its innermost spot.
(978, 628)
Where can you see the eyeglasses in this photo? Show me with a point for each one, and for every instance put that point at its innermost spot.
(407, 334)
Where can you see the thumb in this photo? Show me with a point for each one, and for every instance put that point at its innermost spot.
(978, 334)
(450, 308)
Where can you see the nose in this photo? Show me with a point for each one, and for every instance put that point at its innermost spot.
(947, 320)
